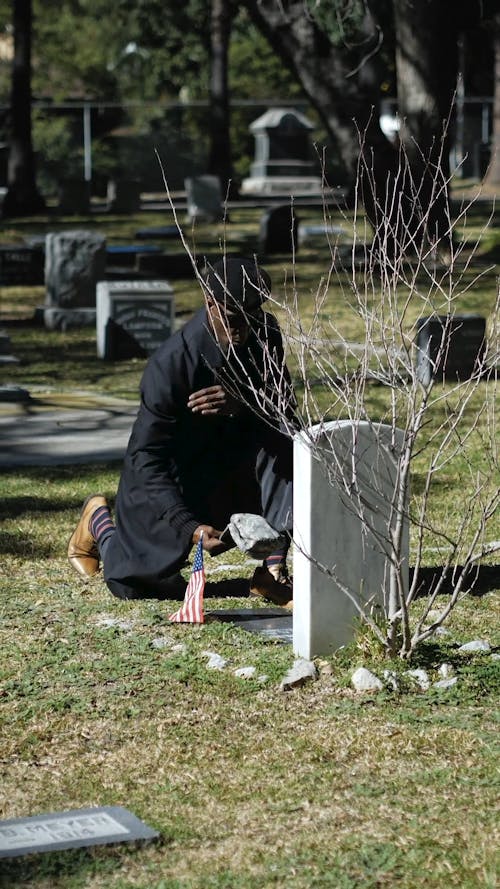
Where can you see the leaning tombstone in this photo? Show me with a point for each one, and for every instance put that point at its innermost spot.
(204, 202)
(133, 318)
(346, 485)
(450, 347)
(74, 262)
(278, 231)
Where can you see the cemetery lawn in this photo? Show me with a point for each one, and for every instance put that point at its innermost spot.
(103, 702)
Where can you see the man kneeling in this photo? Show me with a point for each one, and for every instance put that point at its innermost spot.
(207, 443)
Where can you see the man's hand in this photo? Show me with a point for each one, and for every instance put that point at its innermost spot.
(213, 400)
(211, 542)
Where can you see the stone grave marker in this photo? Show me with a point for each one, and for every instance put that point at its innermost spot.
(278, 231)
(73, 829)
(74, 262)
(21, 265)
(459, 356)
(74, 197)
(283, 162)
(133, 317)
(124, 195)
(204, 201)
(345, 478)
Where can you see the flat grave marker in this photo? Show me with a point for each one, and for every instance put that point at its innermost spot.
(96, 826)
(133, 317)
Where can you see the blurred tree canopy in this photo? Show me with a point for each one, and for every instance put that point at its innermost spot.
(337, 60)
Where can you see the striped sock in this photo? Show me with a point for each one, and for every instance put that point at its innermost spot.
(277, 560)
(101, 524)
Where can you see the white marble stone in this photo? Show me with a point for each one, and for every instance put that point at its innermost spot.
(478, 645)
(345, 485)
(364, 680)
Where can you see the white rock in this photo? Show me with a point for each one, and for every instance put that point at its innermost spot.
(215, 661)
(446, 683)
(301, 671)
(421, 677)
(245, 672)
(441, 631)
(179, 648)
(110, 623)
(476, 645)
(160, 642)
(391, 680)
(495, 656)
(446, 671)
(364, 680)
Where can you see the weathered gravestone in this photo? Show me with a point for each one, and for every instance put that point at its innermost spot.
(133, 317)
(450, 348)
(344, 490)
(74, 262)
(283, 163)
(204, 200)
(278, 231)
(74, 829)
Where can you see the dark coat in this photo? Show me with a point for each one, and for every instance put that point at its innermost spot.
(183, 469)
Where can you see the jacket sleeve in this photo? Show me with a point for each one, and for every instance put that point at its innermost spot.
(152, 446)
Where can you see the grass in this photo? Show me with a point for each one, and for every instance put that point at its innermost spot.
(249, 787)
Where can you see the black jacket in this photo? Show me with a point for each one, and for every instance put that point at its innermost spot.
(174, 457)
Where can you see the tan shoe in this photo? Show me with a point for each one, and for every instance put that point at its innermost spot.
(82, 548)
(275, 586)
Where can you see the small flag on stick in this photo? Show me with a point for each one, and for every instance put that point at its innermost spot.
(191, 610)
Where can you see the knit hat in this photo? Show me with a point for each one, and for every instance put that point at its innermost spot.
(238, 282)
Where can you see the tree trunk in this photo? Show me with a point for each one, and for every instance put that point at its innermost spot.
(341, 82)
(426, 69)
(493, 174)
(220, 163)
(22, 198)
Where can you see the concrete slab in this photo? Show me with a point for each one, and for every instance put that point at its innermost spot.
(46, 432)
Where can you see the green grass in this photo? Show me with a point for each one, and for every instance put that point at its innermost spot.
(248, 786)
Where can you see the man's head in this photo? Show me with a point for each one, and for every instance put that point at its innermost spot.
(236, 287)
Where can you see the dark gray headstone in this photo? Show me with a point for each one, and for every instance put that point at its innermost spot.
(21, 266)
(133, 317)
(74, 262)
(71, 830)
(165, 265)
(124, 195)
(278, 231)
(204, 201)
(74, 197)
(450, 348)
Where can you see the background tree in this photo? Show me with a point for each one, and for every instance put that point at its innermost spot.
(219, 159)
(493, 174)
(23, 197)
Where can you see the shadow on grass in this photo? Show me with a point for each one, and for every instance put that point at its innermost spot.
(80, 864)
(479, 580)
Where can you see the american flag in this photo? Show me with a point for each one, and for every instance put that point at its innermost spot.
(191, 610)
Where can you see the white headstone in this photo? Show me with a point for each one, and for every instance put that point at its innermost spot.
(345, 494)
(133, 317)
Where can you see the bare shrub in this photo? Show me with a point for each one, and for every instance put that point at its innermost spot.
(395, 274)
